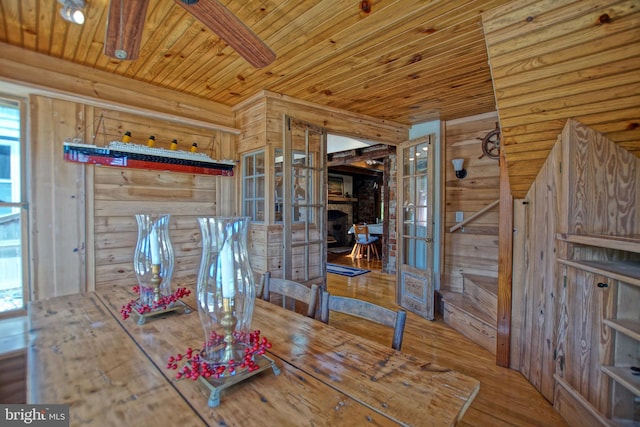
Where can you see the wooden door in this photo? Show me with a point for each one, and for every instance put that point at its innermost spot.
(304, 216)
(415, 226)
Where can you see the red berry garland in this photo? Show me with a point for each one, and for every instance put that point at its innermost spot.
(161, 304)
(196, 366)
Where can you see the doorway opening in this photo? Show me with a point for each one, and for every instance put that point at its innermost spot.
(358, 173)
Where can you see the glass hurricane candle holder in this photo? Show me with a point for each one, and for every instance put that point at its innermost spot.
(153, 258)
(225, 289)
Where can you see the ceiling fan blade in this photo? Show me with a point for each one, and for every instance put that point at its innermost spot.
(230, 29)
(124, 28)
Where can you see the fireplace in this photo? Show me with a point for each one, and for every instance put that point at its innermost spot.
(339, 220)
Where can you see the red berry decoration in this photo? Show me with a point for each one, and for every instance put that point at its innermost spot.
(197, 367)
(161, 304)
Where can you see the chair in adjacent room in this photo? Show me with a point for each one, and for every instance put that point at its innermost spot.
(365, 243)
(366, 310)
(290, 292)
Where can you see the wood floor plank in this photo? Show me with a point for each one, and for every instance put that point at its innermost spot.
(506, 398)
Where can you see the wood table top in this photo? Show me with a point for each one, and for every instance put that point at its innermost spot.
(112, 371)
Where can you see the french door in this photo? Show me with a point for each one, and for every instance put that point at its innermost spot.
(415, 226)
(13, 207)
(304, 202)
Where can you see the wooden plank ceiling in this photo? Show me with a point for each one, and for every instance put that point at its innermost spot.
(554, 60)
(405, 61)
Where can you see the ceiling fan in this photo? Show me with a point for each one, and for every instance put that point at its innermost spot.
(126, 22)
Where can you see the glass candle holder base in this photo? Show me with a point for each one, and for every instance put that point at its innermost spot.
(144, 314)
(217, 385)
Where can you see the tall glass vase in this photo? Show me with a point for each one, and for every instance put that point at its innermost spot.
(153, 258)
(225, 289)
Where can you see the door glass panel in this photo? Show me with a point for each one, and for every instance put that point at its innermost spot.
(302, 187)
(421, 254)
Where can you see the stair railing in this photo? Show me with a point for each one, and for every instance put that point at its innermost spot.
(474, 216)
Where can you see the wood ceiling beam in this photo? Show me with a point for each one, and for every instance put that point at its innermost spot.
(360, 154)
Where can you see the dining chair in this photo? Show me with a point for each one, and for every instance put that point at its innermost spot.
(366, 310)
(364, 242)
(292, 290)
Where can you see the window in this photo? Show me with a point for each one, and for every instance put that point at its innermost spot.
(12, 208)
(253, 181)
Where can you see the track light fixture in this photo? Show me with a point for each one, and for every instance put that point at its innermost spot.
(72, 11)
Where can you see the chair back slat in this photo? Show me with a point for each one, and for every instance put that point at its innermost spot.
(361, 230)
(291, 289)
(366, 310)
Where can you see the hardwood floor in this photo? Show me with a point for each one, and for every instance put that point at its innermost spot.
(506, 398)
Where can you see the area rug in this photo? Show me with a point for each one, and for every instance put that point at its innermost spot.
(344, 270)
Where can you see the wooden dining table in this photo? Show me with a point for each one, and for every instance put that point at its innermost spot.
(113, 371)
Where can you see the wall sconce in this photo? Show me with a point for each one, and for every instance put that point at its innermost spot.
(72, 11)
(458, 166)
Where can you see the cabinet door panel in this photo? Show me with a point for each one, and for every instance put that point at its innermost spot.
(585, 343)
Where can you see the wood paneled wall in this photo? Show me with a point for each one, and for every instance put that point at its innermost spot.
(473, 249)
(551, 61)
(119, 194)
(83, 223)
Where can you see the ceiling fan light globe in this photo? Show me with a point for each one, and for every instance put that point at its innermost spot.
(78, 17)
(72, 14)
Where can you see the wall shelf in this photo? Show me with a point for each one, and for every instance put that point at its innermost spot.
(624, 243)
(622, 375)
(630, 328)
(626, 271)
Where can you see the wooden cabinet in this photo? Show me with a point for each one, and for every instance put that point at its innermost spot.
(598, 351)
(576, 286)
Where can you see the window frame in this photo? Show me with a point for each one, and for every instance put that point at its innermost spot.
(250, 159)
(21, 206)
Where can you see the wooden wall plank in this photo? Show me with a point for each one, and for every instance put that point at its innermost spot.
(57, 215)
(505, 268)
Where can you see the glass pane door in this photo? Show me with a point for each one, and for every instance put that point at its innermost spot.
(303, 201)
(12, 208)
(415, 219)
